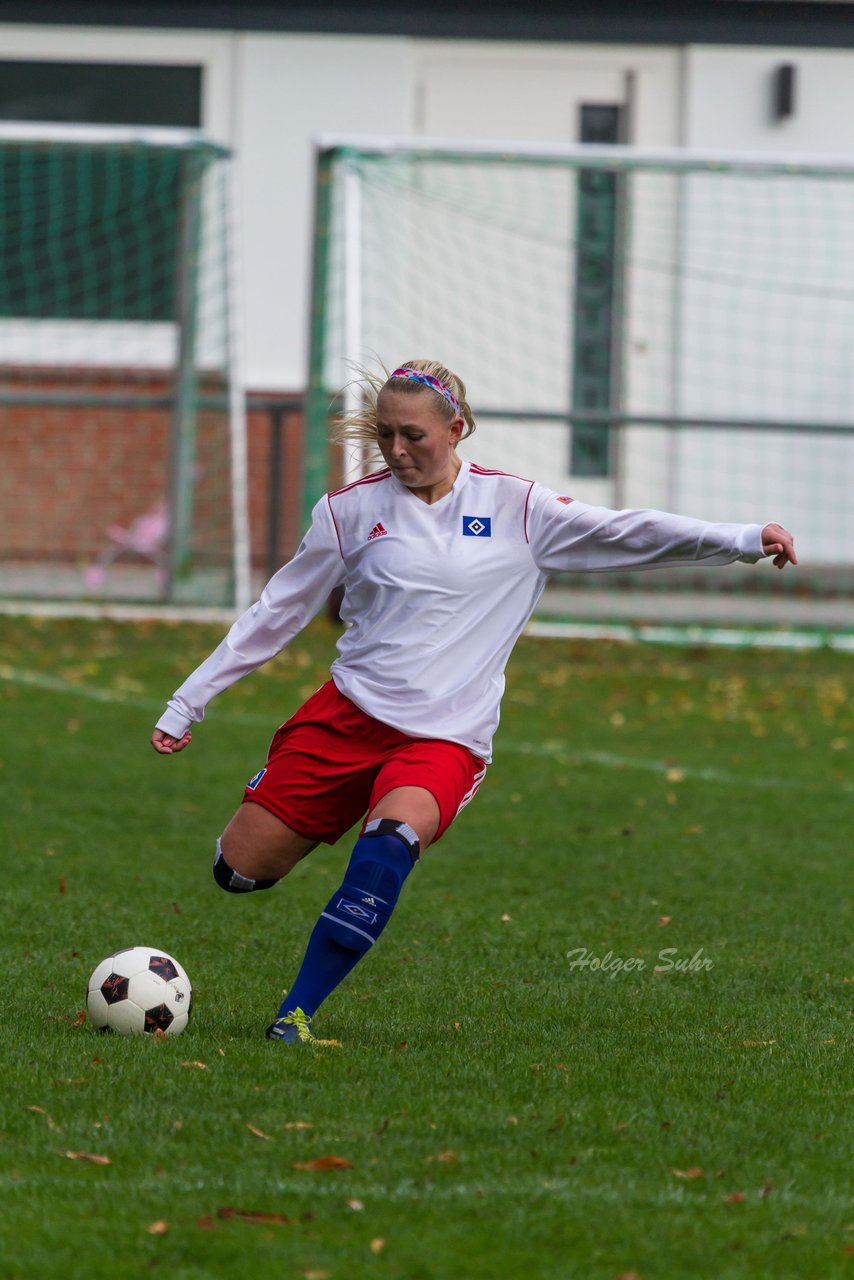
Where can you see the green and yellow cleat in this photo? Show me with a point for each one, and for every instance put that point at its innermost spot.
(293, 1028)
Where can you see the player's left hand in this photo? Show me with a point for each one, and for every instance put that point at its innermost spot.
(779, 543)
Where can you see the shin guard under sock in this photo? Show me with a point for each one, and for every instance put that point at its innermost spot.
(356, 914)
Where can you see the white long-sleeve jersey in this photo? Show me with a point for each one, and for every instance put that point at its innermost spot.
(435, 596)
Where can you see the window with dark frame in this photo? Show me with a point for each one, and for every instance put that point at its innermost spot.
(138, 93)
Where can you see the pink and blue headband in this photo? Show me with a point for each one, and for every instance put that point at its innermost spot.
(415, 375)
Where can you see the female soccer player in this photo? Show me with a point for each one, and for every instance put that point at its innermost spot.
(441, 564)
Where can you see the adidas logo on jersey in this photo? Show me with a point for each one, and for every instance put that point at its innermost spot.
(377, 531)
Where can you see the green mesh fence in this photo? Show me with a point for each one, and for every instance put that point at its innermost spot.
(636, 330)
(115, 368)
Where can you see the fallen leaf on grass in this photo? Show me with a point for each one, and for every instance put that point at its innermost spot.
(737, 1197)
(51, 1123)
(203, 1066)
(259, 1133)
(63, 886)
(86, 1155)
(767, 1189)
(330, 1044)
(80, 1019)
(506, 918)
(323, 1162)
(159, 1034)
(297, 1124)
(690, 1174)
(664, 920)
(158, 1228)
(316, 1275)
(356, 1205)
(404, 1044)
(443, 1157)
(252, 1215)
(377, 1244)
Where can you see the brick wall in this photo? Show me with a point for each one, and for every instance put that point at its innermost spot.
(68, 471)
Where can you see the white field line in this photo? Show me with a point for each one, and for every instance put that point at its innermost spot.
(549, 750)
(608, 760)
(556, 1188)
(55, 684)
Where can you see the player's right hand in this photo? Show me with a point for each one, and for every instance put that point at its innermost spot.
(166, 745)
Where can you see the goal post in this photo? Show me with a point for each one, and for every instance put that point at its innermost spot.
(636, 328)
(122, 426)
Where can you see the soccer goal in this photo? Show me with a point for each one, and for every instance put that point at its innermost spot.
(636, 329)
(123, 473)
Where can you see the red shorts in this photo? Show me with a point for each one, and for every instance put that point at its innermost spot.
(331, 763)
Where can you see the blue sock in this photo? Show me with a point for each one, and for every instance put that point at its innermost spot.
(356, 914)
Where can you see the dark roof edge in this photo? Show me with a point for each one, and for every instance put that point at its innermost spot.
(732, 22)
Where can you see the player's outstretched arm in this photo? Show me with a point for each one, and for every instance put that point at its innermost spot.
(779, 543)
(166, 745)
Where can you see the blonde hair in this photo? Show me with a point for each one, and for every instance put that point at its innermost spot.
(360, 425)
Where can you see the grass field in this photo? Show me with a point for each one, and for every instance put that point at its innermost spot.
(506, 1110)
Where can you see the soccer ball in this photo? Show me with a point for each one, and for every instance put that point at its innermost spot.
(138, 990)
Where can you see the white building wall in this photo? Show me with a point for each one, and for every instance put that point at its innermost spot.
(290, 89)
(728, 100)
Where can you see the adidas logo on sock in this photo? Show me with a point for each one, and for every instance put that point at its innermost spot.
(377, 531)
